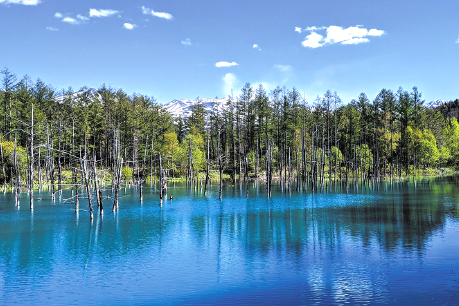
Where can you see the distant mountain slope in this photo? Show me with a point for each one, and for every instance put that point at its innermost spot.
(435, 103)
(183, 107)
(90, 93)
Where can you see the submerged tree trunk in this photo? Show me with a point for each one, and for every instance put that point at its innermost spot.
(3, 169)
(31, 160)
(17, 185)
(59, 167)
(117, 186)
(88, 189)
(207, 169)
(161, 180)
(96, 187)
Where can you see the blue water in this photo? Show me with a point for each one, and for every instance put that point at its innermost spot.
(387, 244)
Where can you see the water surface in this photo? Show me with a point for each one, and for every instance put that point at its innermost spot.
(391, 244)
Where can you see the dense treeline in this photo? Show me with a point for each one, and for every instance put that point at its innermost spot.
(50, 135)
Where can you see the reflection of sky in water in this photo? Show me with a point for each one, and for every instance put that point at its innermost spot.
(391, 244)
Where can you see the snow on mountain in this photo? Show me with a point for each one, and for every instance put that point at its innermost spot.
(436, 103)
(184, 107)
(89, 93)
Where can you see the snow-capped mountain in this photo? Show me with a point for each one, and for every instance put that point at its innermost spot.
(184, 107)
(90, 94)
(435, 103)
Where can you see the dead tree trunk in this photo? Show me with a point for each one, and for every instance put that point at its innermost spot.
(96, 187)
(117, 185)
(88, 189)
(3, 169)
(190, 161)
(160, 180)
(257, 162)
(220, 165)
(31, 160)
(207, 172)
(51, 166)
(59, 167)
(17, 185)
(151, 160)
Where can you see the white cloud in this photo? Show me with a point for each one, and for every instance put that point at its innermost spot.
(70, 20)
(349, 36)
(255, 46)
(186, 42)
(337, 34)
(374, 32)
(284, 68)
(297, 29)
(52, 29)
(313, 40)
(457, 41)
(23, 2)
(101, 13)
(225, 64)
(129, 26)
(82, 18)
(58, 15)
(229, 83)
(148, 11)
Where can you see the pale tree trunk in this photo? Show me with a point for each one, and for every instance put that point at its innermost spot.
(3, 169)
(31, 161)
(88, 189)
(97, 189)
(17, 185)
(59, 167)
(117, 185)
(207, 172)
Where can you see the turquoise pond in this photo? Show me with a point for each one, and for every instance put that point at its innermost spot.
(395, 244)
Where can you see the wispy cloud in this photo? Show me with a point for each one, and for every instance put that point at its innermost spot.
(225, 64)
(148, 11)
(313, 28)
(101, 13)
(23, 2)
(52, 29)
(283, 68)
(297, 29)
(129, 26)
(58, 15)
(457, 41)
(256, 46)
(186, 42)
(349, 36)
(70, 20)
(229, 83)
(82, 18)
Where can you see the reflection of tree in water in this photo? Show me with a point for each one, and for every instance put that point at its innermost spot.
(311, 238)
(27, 248)
(32, 247)
(405, 217)
(119, 237)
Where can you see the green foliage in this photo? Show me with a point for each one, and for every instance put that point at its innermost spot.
(126, 173)
(392, 130)
(423, 144)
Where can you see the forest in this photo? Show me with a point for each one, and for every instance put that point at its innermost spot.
(276, 137)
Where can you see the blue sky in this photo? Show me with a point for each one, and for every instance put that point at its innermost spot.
(185, 49)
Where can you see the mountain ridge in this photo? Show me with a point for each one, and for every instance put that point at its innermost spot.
(184, 107)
